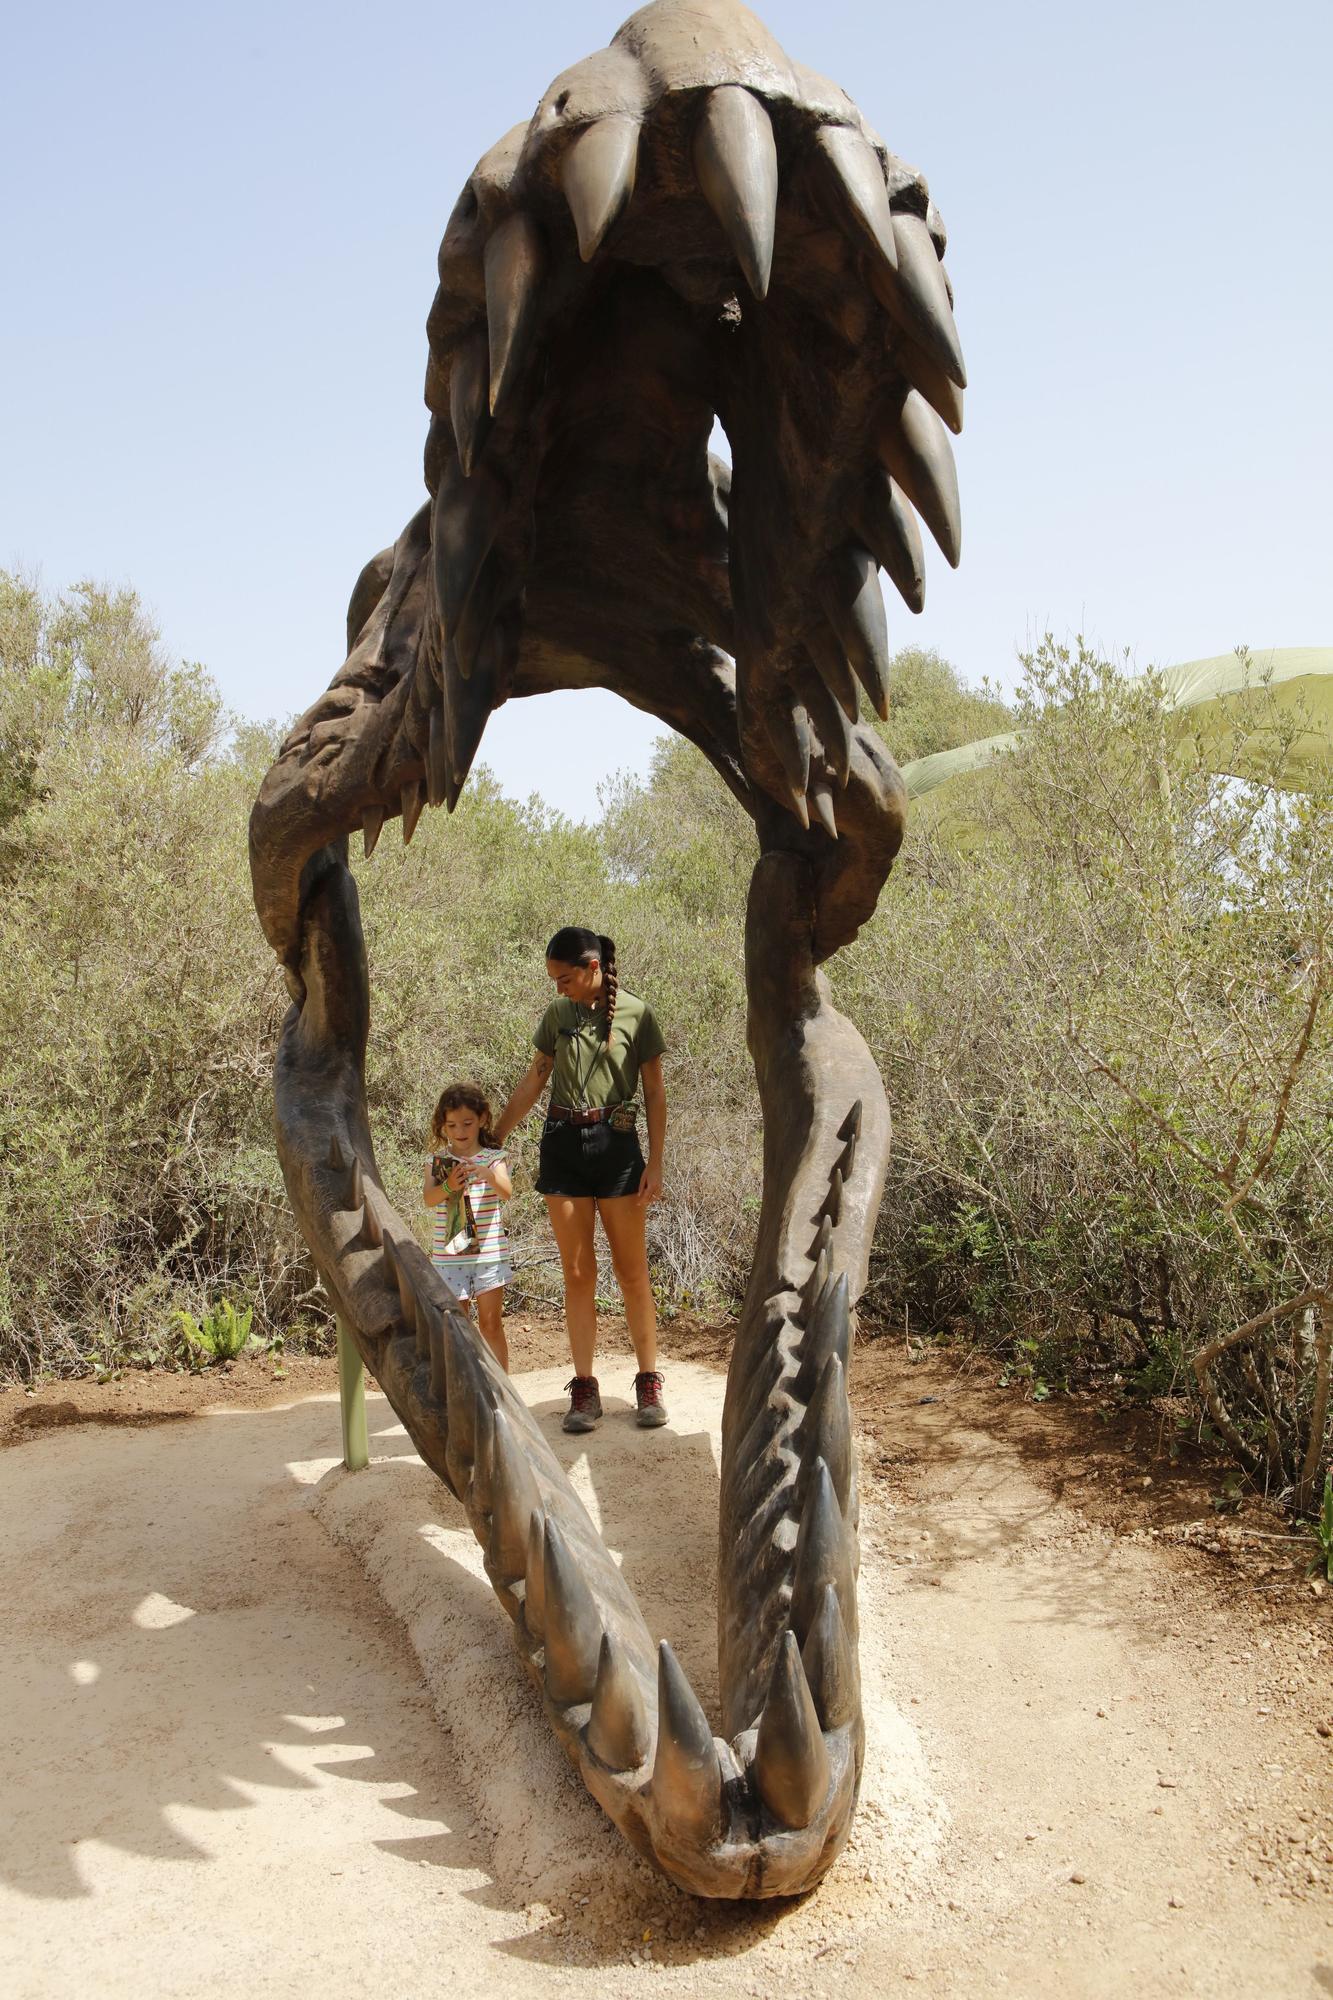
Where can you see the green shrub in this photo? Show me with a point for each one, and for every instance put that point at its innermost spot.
(220, 1335)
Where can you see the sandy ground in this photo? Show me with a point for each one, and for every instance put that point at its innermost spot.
(264, 1726)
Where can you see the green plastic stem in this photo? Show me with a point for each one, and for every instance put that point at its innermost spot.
(352, 1402)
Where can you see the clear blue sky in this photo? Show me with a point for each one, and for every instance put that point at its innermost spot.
(221, 231)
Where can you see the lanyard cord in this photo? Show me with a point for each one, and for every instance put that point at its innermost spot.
(576, 1036)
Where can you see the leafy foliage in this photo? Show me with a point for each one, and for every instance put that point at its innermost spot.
(1102, 1020)
(222, 1332)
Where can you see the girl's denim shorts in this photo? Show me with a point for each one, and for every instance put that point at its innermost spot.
(466, 1278)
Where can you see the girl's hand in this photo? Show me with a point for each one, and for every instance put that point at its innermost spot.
(459, 1177)
(650, 1187)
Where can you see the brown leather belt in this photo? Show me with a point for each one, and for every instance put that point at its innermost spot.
(565, 1114)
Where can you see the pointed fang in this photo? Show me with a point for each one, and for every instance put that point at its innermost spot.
(915, 447)
(830, 1665)
(823, 1555)
(534, 1574)
(372, 820)
(833, 1199)
(618, 1726)
(598, 178)
(686, 1785)
(855, 609)
(889, 530)
(357, 1192)
(859, 181)
(437, 757)
(791, 1767)
(515, 256)
(826, 1431)
(736, 161)
(516, 1501)
(469, 398)
(337, 1158)
(481, 1498)
(468, 513)
(822, 800)
(917, 295)
(413, 798)
(573, 1626)
(829, 1332)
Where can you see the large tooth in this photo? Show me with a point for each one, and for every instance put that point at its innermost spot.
(944, 396)
(515, 1503)
(831, 725)
(573, 1625)
(534, 1577)
(372, 819)
(407, 1298)
(439, 1359)
(791, 1767)
(824, 649)
(598, 178)
(437, 757)
(848, 1160)
(481, 1497)
(833, 1199)
(823, 1555)
(851, 1124)
(337, 1157)
(889, 529)
(822, 800)
(860, 183)
(686, 1787)
(915, 447)
(917, 295)
(515, 255)
(788, 727)
(736, 162)
(469, 404)
(412, 798)
(467, 518)
(829, 1332)
(357, 1192)
(826, 1429)
(471, 707)
(618, 1731)
(855, 609)
(830, 1664)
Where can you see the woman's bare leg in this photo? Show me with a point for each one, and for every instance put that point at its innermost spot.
(573, 1219)
(490, 1318)
(625, 1218)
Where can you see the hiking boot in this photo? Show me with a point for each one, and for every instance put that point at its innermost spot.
(585, 1404)
(651, 1409)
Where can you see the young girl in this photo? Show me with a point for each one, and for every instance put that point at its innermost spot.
(466, 1181)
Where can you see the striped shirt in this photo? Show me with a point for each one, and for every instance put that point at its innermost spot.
(492, 1243)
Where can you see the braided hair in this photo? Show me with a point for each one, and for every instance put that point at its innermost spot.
(575, 946)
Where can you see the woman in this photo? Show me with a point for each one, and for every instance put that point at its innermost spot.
(593, 1044)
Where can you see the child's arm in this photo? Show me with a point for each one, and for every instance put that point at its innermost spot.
(433, 1192)
(498, 1175)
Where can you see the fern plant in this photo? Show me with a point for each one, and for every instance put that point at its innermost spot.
(220, 1335)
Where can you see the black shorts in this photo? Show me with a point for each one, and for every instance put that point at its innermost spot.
(582, 1160)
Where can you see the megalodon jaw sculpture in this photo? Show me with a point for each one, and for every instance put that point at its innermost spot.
(690, 225)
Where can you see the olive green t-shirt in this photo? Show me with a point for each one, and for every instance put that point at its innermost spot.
(591, 1069)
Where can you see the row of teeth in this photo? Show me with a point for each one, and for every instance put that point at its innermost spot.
(631, 1721)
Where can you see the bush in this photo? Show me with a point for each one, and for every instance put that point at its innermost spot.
(1101, 1011)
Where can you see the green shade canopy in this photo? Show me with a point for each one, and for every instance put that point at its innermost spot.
(1206, 700)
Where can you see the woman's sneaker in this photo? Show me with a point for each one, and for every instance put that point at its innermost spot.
(648, 1396)
(585, 1404)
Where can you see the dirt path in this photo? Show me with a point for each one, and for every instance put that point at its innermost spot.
(1096, 1768)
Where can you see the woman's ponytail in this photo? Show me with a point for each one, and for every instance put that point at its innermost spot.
(610, 982)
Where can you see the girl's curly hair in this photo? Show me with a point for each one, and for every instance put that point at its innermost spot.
(462, 1097)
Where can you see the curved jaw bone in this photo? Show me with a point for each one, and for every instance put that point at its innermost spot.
(690, 226)
(764, 1810)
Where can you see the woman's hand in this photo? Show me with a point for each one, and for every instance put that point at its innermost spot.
(650, 1187)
